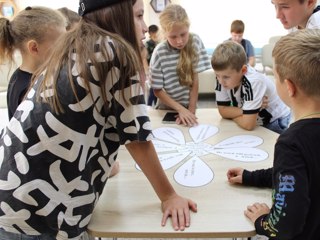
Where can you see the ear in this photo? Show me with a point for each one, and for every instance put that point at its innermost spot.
(244, 69)
(311, 3)
(33, 47)
(291, 87)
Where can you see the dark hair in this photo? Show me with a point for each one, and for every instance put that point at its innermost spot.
(92, 28)
(153, 28)
(108, 19)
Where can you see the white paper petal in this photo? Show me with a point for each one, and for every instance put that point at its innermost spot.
(240, 141)
(202, 132)
(162, 146)
(242, 154)
(194, 173)
(196, 149)
(169, 160)
(172, 135)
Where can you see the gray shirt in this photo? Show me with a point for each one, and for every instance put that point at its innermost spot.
(163, 68)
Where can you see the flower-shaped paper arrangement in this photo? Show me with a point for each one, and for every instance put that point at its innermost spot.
(172, 149)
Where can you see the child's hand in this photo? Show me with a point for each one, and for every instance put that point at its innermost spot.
(179, 210)
(235, 175)
(256, 210)
(265, 102)
(186, 118)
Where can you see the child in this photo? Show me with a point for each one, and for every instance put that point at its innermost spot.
(175, 65)
(298, 14)
(32, 32)
(150, 45)
(241, 90)
(72, 17)
(295, 178)
(237, 30)
(85, 101)
(153, 31)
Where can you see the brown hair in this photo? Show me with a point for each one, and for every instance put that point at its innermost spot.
(237, 26)
(297, 58)
(82, 39)
(108, 19)
(31, 23)
(188, 59)
(228, 54)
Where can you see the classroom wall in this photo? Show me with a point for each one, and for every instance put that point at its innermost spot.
(210, 19)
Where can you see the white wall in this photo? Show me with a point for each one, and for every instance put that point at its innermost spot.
(210, 19)
(71, 4)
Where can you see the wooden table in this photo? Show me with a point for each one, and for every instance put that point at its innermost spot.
(129, 208)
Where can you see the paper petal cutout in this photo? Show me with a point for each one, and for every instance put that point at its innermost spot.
(240, 141)
(172, 135)
(202, 132)
(194, 173)
(162, 146)
(242, 154)
(169, 160)
(196, 149)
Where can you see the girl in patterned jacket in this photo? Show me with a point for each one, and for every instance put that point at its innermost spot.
(57, 151)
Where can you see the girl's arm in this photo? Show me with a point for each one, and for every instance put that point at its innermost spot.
(172, 204)
(194, 93)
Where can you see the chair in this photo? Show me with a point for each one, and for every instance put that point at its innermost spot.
(266, 55)
(274, 39)
(266, 58)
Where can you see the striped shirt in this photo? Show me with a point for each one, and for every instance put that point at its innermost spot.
(163, 69)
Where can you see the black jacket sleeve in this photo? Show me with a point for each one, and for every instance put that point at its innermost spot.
(258, 178)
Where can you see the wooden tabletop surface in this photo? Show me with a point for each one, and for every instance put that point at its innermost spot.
(129, 208)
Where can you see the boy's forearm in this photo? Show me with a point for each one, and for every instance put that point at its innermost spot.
(247, 122)
(230, 112)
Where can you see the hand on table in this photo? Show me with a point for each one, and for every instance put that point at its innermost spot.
(235, 175)
(186, 118)
(256, 210)
(265, 102)
(178, 208)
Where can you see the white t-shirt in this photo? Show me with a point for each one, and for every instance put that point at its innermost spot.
(313, 21)
(249, 96)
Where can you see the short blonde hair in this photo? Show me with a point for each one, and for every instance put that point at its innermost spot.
(228, 54)
(297, 58)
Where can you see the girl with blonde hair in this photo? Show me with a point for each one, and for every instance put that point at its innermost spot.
(175, 65)
(32, 33)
